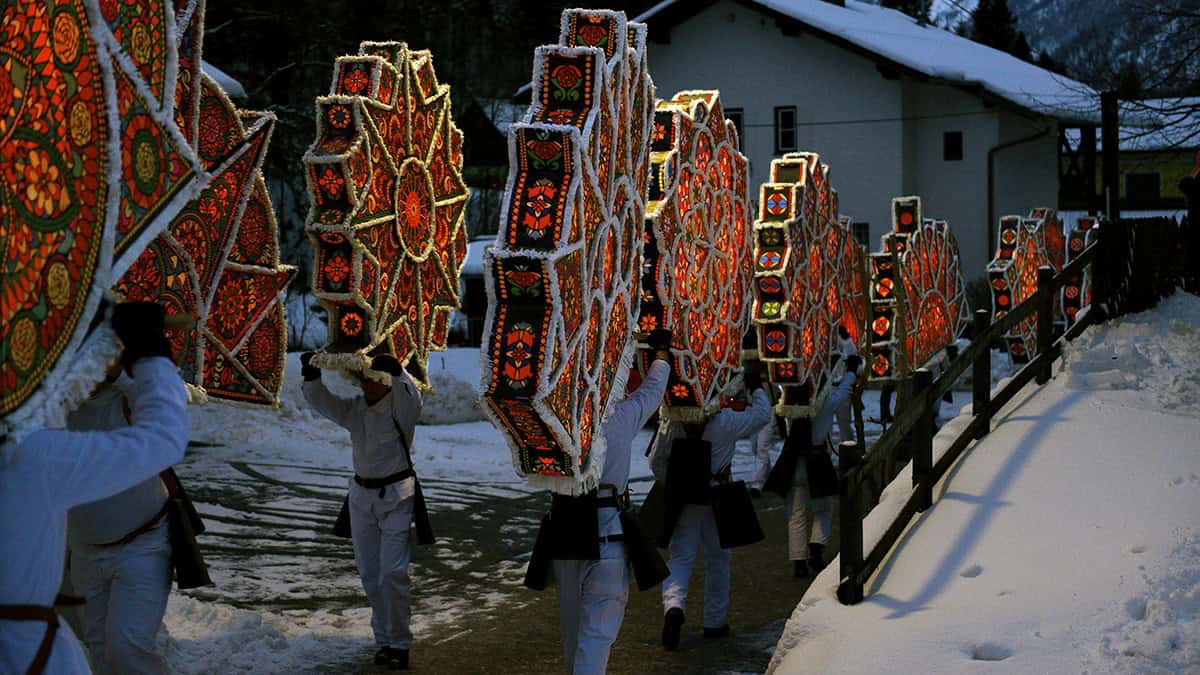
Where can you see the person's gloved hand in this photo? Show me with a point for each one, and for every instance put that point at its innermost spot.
(853, 363)
(386, 363)
(659, 342)
(309, 371)
(141, 327)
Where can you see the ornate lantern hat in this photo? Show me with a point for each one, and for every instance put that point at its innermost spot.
(918, 299)
(1025, 244)
(698, 260)
(809, 278)
(94, 166)
(561, 277)
(1077, 292)
(386, 216)
(219, 259)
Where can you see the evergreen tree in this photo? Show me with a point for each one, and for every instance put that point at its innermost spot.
(993, 24)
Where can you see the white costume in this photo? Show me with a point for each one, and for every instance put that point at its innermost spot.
(844, 420)
(125, 585)
(592, 593)
(379, 517)
(697, 526)
(761, 445)
(809, 520)
(49, 472)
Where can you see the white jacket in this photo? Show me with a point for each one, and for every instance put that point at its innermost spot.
(374, 429)
(52, 471)
(114, 517)
(722, 430)
(823, 422)
(623, 423)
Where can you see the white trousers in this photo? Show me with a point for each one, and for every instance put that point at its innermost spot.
(697, 527)
(845, 425)
(379, 527)
(761, 445)
(126, 589)
(591, 605)
(809, 520)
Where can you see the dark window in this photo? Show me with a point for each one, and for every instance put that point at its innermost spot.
(737, 116)
(952, 148)
(861, 232)
(785, 129)
(1142, 187)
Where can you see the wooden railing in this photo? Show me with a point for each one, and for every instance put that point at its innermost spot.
(913, 428)
(1133, 264)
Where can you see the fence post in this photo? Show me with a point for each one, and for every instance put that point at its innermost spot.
(922, 440)
(850, 590)
(1045, 322)
(981, 376)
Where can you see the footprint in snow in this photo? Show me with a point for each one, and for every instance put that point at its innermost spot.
(1138, 549)
(989, 651)
(972, 571)
(1136, 608)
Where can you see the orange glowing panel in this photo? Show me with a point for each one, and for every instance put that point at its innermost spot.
(696, 278)
(1025, 244)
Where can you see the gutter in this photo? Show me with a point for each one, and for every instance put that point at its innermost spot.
(991, 183)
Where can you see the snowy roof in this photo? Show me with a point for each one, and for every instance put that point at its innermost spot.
(936, 53)
(231, 86)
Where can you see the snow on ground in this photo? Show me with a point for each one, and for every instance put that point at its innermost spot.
(1065, 541)
(269, 483)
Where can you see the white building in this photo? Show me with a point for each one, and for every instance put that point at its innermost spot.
(895, 108)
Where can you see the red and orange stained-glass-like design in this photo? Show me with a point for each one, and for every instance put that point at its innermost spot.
(219, 259)
(93, 166)
(1077, 291)
(386, 214)
(808, 278)
(562, 276)
(1025, 244)
(918, 299)
(699, 263)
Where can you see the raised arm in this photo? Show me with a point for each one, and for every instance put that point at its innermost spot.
(85, 466)
(745, 423)
(332, 407)
(639, 406)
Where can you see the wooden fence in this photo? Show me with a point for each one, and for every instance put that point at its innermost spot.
(1133, 264)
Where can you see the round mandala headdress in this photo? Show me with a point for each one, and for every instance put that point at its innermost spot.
(386, 216)
(697, 273)
(93, 166)
(1025, 244)
(219, 259)
(809, 278)
(561, 278)
(918, 299)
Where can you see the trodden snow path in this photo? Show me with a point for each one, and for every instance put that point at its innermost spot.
(1067, 540)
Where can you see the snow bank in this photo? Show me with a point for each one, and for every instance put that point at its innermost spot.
(1065, 541)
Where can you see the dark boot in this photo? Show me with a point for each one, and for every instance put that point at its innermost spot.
(721, 632)
(816, 557)
(394, 659)
(672, 622)
(799, 569)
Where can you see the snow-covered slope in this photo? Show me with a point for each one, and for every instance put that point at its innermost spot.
(1068, 540)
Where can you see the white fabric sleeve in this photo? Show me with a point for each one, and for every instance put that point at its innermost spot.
(839, 395)
(661, 452)
(406, 404)
(639, 407)
(334, 408)
(744, 423)
(86, 466)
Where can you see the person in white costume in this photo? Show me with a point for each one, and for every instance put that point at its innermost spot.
(761, 444)
(809, 501)
(696, 526)
(592, 593)
(381, 423)
(846, 349)
(49, 472)
(120, 555)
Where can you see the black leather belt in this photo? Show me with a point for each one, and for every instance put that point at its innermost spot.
(610, 502)
(612, 538)
(381, 483)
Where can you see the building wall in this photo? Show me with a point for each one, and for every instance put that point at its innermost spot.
(743, 53)
(881, 136)
(953, 190)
